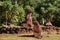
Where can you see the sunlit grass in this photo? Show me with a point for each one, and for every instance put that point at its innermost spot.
(17, 37)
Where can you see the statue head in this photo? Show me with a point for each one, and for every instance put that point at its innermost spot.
(36, 22)
(29, 11)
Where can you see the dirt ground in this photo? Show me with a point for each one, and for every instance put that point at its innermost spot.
(19, 37)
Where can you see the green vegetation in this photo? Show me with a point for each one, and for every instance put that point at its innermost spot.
(14, 11)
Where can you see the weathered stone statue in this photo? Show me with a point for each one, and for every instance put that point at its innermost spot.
(49, 26)
(29, 17)
(37, 30)
(28, 24)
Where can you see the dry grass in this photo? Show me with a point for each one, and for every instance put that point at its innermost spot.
(17, 37)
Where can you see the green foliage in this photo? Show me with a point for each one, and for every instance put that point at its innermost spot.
(7, 5)
(16, 13)
(19, 15)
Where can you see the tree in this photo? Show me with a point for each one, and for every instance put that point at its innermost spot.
(41, 10)
(13, 13)
(47, 9)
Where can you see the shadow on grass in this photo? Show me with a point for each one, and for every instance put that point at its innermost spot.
(26, 36)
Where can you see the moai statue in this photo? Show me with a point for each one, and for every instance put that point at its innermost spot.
(29, 17)
(49, 27)
(37, 30)
(28, 24)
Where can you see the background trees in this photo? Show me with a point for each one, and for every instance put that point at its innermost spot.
(14, 11)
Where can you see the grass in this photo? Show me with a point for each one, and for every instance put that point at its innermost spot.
(17, 37)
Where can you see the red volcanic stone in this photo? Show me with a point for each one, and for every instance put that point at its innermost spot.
(36, 27)
(37, 30)
(25, 25)
(28, 10)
